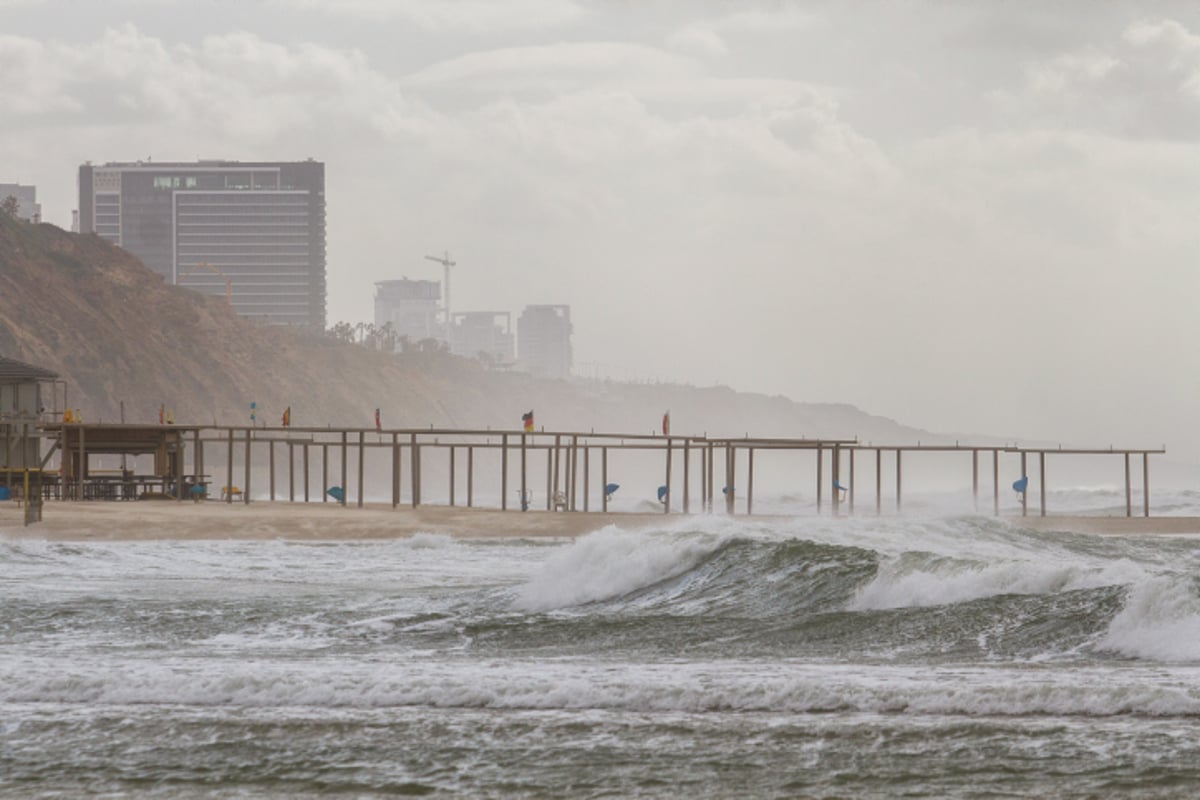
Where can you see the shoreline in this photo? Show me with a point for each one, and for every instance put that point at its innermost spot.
(186, 521)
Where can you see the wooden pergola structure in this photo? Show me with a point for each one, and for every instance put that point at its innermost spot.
(574, 479)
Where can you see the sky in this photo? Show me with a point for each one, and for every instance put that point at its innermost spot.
(969, 217)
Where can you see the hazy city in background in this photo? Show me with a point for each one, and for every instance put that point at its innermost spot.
(970, 219)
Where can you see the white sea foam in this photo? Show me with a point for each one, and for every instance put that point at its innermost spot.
(686, 687)
(1160, 620)
(612, 562)
(928, 580)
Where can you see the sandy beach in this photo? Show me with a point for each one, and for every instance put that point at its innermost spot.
(148, 520)
(165, 520)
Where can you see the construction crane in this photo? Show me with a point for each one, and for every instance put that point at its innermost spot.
(205, 265)
(446, 263)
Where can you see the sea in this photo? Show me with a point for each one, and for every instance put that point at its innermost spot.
(916, 655)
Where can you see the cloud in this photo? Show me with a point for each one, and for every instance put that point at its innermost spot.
(472, 16)
(1070, 69)
(698, 40)
(235, 87)
(554, 65)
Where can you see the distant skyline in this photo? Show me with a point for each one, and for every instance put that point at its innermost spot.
(968, 217)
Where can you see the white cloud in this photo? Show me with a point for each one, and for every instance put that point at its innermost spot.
(1067, 70)
(698, 40)
(560, 65)
(474, 16)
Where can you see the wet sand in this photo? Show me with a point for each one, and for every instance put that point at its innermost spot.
(168, 520)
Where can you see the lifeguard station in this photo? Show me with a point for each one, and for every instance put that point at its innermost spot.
(25, 393)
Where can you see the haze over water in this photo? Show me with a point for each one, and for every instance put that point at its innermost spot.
(934, 656)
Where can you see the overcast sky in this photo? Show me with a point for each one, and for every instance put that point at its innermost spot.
(970, 217)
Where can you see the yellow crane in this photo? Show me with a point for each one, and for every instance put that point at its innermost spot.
(188, 271)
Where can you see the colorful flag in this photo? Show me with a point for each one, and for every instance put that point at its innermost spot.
(377, 425)
(287, 417)
(667, 424)
(528, 420)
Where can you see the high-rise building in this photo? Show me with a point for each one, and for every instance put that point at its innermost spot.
(28, 208)
(483, 335)
(410, 308)
(544, 341)
(254, 231)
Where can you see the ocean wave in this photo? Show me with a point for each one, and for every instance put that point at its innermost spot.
(690, 688)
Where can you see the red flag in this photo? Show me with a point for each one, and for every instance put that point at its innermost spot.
(667, 424)
(287, 417)
(377, 425)
(528, 420)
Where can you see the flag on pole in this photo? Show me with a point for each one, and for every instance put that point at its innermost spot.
(287, 417)
(667, 424)
(377, 425)
(528, 420)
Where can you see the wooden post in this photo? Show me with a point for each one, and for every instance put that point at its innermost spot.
(898, 453)
(731, 471)
(878, 481)
(229, 468)
(1042, 479)
(1128, 490)
(177, 466)
(362, 455)
(451, 476)
(414, 456)
(246, 488)
(587, 461)
(557, 453)
(1024, 494)
(197, 458)
(851, 492)
(996, 483)
(1146, 484)
(304, 459)
(835, 468)
(345, 485)
(750, 482)
(271, 469)
(470, 476)
(324, 473)
(395, 469)
(524, 477)
(687, 460)
(574, 471)
(712, 469)
(604, 479)
(820, 475)
(504, 471)
(549, 475)
(291, 471)
(667, 496)
(82, 459)
(975, 479)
